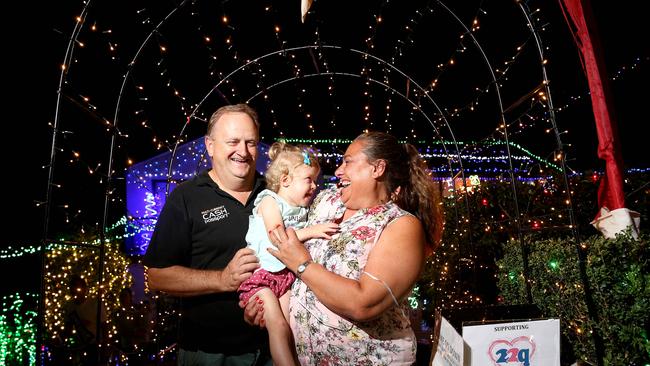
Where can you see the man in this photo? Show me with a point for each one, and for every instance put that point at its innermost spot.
(197, 251)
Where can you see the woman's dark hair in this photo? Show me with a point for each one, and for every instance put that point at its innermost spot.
(408, 181)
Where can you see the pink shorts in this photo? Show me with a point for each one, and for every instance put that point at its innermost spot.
(278, 282)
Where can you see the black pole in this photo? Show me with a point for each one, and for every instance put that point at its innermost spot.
(40, 319)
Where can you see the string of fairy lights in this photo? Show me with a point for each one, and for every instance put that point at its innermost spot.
(386, 71)
(113, 45)
(296, 70)
(65, 260)
(366, 69)
(18, 328)
(617, 76)
(504, 129)
(224, 53)
(14, 252)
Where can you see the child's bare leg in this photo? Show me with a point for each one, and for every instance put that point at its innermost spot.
(280, 337)
(284, 305)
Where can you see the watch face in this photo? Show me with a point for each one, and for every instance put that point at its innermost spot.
(302, 268)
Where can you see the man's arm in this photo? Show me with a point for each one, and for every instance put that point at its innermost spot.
(184, 281)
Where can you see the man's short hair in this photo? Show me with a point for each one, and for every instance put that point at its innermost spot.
(234, 108)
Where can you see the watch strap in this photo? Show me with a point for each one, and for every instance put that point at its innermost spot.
(302, 267)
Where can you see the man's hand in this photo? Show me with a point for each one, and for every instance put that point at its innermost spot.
(240, 268)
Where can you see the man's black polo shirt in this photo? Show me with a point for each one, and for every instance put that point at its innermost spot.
(202, 227)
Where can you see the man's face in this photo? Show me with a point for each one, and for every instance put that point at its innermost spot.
(232, 145)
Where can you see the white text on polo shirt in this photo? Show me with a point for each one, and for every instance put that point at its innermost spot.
(214, 214)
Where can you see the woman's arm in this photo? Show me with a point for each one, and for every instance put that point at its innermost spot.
(397, 259)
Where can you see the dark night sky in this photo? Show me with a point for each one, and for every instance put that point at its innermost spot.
(35, 48)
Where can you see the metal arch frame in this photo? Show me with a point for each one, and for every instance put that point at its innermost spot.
(48, 199)
(109, 174)
(388, 87)
(592, 310)
(79, 26)
(256, 60)
(551, 110)
(67, 60)
(365, 55)
(495, 82)
(393, 67)
(497, 89)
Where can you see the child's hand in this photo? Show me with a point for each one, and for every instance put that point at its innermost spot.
(324, 230)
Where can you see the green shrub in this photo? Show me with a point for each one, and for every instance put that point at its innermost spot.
(18, 329)
(618, 271)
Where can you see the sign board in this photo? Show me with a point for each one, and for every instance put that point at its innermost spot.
(525, 343)
(447, 344)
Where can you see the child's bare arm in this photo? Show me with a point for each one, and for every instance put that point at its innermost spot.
(271, 214)
(321, 231)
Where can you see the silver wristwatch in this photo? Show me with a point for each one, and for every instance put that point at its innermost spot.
(302, 268)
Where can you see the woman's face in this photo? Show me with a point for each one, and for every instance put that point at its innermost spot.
(356, 178)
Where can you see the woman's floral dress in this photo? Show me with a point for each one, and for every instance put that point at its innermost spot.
(324, 338)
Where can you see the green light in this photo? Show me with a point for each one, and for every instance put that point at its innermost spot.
(553, 264)
(432, 142)
(413, 299)
(18, 329)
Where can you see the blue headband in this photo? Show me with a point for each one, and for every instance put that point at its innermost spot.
(305, 158)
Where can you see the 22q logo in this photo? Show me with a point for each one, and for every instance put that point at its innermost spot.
(518, 352)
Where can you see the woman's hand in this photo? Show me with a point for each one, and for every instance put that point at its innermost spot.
(290, 250)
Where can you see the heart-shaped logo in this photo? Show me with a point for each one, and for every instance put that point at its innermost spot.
(518, 351)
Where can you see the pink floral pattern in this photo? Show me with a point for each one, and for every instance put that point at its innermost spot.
(363, 233)
(324, 338)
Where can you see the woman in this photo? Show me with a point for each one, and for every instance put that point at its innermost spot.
(348, 308)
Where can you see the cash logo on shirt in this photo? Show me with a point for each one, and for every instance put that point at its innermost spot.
(214, 214)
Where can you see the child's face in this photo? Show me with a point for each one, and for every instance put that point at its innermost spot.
(299, 189)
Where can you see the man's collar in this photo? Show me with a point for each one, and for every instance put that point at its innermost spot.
(204, 179)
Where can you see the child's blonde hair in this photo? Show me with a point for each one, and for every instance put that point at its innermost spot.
(284, 159)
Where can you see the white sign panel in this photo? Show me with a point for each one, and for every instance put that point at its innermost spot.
(528, 343)
(450, 346)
